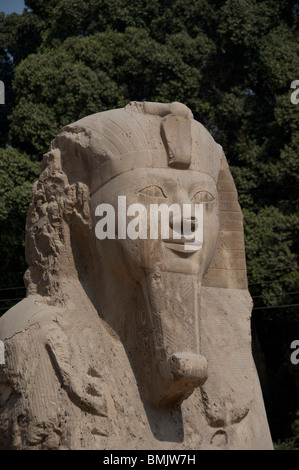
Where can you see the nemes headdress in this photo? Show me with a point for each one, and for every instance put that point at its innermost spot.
(141, 135)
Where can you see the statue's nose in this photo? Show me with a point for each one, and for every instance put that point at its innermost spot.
(184, 225)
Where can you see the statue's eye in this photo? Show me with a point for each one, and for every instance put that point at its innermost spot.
(153, 191)
(202, 197)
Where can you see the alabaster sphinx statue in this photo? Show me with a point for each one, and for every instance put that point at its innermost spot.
(132, 342)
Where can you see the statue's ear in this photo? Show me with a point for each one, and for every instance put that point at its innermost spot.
(228, 266)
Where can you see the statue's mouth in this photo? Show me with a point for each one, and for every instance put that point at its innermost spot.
(184, 241)
(183, 245)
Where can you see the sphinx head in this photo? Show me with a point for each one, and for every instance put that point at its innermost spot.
(103, 181)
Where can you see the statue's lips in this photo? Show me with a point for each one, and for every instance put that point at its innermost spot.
(183, 245)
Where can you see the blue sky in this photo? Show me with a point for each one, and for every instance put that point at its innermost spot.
(10, 6)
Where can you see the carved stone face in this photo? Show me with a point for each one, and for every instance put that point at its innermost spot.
(149, 186)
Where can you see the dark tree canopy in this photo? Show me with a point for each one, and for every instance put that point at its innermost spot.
(232, 62)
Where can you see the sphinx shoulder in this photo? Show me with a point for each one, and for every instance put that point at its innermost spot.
(48, 374)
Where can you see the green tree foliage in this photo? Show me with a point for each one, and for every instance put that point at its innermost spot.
(17, 173)
(231, 61)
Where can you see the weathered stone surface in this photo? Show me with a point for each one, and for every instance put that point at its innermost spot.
(132, 343)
